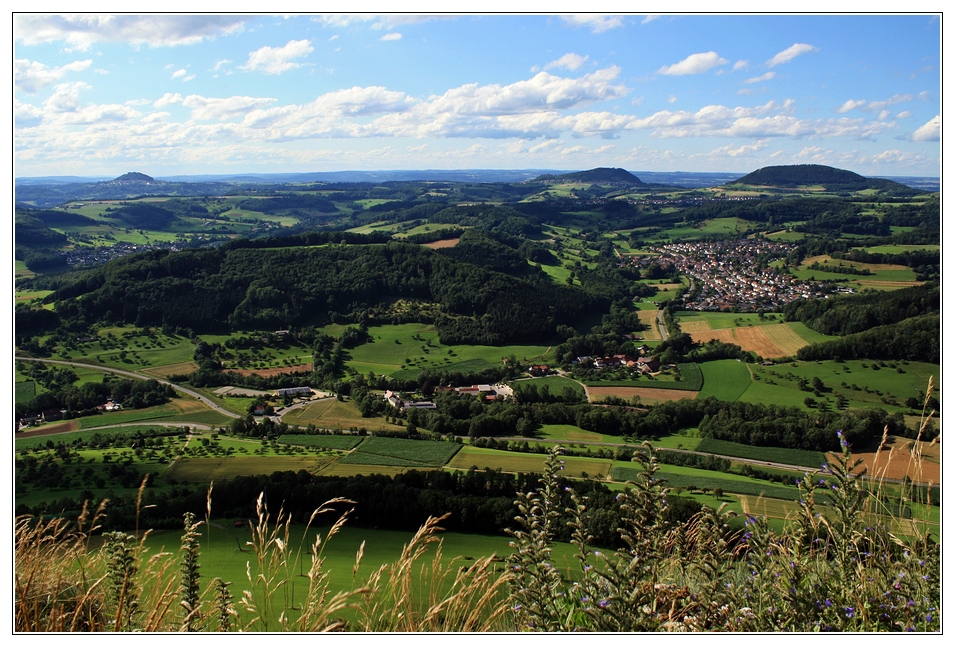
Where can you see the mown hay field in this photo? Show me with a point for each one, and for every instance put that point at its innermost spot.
(896, 461)
(774, 340)
(649, 319)
(205, 470)
(506, 461)
(647, 395)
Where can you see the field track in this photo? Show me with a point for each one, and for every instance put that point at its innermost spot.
(597, 393)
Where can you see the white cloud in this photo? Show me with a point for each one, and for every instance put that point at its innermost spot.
(391, 36)
(931, 131)
(275, 60)
(32, 76)
(214, 109)
(694, 64)
(905, 114)
(790, 53)
(597, 23)
(762, 77)
(851, 104)
(740, 65)
(82, 31)
(220, 63)
(568, 61)
(876, 106)
(179, 73)
(167, 99)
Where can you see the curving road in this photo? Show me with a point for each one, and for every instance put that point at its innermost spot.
(137, 376)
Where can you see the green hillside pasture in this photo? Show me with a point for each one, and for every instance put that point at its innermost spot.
(401, 452)
(899, 249)
(691, 379)
(724, 379)
(332, 414)
(783, 456)
(555, 385)
(694, 479)
(573, 433)
(514, 462)
(20, 271)
(807, 333)
(24, 391)
(414, 347)
(220, 556)
(868, 384)
(321, 441)
(180, 410)
(269, 357)
(26, 441)
(890, 273)
(686, 439)
(127, 349)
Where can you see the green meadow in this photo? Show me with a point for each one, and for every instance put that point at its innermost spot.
(413, 347)
(725, 379)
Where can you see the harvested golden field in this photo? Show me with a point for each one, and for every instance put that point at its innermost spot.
(438, 244)
(784, 338)
(649, 319)
(887, 285)
(183, 368)
(695, 325)
(649, 395)
(753, 339)
(895, 461)
(269, 372)
(184, 405)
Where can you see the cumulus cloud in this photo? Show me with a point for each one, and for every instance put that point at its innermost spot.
(694, 64)
(790, 53)
(215, 109)
(167, 99)
(568, 61)
(597, 23)
(851, 104)
(762, 77)
(931, 131)
(391, 36)
(741, 65)
(275, 60)
(82, 31)
(33, 76)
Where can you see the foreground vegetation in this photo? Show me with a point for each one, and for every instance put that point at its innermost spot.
(844, 564)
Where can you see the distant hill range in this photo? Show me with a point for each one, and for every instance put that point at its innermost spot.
(832, 179)
(133, 177)
(595, 176)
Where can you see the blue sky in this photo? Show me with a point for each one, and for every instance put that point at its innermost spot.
(188, 94)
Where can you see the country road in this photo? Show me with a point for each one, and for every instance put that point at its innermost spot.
(136, 376)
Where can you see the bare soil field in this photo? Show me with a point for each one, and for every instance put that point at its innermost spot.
(649, 319)
(887, 285)
(598, 393)
(269, 372)
(898, 462)
(438, 244)
(750, 339)
(46, 430)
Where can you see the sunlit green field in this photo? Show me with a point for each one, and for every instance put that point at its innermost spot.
(718, 320)
(416, 346)
(725, 379)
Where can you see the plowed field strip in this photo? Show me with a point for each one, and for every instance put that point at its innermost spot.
(597, 393)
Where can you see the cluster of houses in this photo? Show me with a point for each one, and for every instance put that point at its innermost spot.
(646, 365)
(483, 391)
(727, 276)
